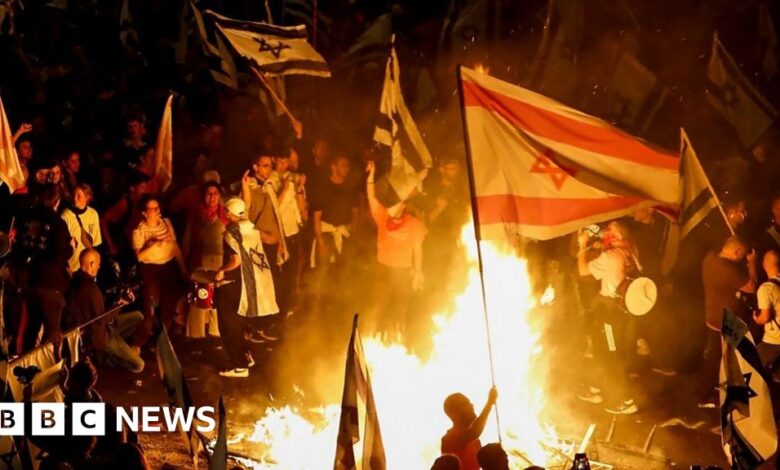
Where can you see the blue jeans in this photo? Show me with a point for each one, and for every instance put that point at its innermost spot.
(117, 353)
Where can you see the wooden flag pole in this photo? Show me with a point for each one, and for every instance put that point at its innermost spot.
(478, 237)
(273, 94)
(268, 12)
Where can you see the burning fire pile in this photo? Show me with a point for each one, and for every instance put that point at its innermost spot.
(409, 392)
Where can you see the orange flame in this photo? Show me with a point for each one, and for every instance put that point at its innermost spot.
(482, 69)
(409, 392)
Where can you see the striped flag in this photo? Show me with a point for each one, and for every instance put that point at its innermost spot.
(163, 149)
(275, 50)
(224, 69)
(172, 377)
(748, 430)
(357, 402)
(542, 170)
(10, 169)
(49, 361)
(399, 142)
(735, 98)
(697, 199)
(218, 460)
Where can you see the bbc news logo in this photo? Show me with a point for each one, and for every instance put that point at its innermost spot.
(89, 419)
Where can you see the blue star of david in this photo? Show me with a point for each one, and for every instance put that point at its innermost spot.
(266, 46)
(259, 259)
(740, 394)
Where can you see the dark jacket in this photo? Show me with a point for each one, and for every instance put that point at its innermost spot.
(85, 302)
(43, 241)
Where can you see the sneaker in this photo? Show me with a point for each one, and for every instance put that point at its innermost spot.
(238, 372)
(627, 407)
(592, 395)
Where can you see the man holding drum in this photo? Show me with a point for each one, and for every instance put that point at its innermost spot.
(613, 347)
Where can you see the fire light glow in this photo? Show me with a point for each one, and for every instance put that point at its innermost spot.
(409, 391)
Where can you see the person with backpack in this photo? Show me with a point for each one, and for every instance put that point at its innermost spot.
(43, 245)
(768, 306)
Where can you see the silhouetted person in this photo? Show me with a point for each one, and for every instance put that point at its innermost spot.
(493, 457)
(446, 462)
(130, 456)
(462, 439)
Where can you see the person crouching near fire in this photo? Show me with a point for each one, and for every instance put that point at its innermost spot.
(614, 348)
(245, 287)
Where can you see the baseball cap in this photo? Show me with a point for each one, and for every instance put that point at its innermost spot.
(236, 206)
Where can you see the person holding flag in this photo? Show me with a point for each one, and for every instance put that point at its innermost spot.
(399, 242)
(462, 439)
(249, 290)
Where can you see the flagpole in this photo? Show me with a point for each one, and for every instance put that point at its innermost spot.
(478, 237)
(273, 94)
(99, 317)
(268, 12)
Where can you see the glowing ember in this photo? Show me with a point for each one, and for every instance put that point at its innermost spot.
(409, 392)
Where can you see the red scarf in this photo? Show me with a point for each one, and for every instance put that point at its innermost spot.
(209, 214)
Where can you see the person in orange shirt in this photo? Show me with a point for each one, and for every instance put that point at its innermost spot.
(399, 243)
(462, 439)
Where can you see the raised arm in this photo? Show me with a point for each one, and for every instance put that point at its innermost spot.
(478, 425)
(373, 203)
(246, 193)
(23, 129)
(582, 260)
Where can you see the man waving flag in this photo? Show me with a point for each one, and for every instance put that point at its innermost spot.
(542, 170)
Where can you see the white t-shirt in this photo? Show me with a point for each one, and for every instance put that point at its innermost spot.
(288, 210)
(610, 269)
(769, 297)
(90, 220)
(159, 253)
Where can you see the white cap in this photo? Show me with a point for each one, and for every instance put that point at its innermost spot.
(236, 206)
